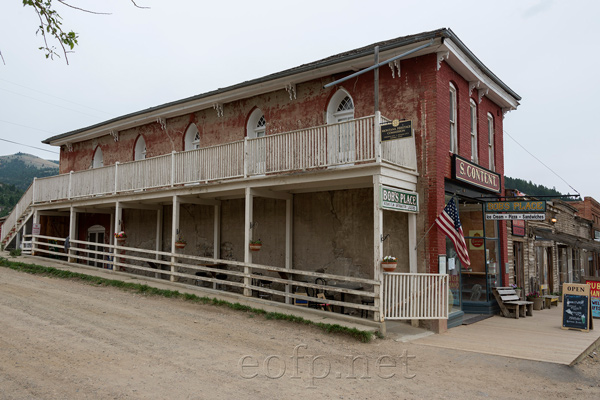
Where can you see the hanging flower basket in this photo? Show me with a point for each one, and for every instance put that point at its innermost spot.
(255, 245)
(180, 245)
(389, 263)
(389, 266)
(120, 237)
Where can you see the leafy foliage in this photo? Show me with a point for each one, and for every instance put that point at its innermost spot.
(51, 26)
(9, 196)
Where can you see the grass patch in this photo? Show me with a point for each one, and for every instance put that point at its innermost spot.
(363, 336)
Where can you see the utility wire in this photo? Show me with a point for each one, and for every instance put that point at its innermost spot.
(56, 97)
(28, 127)
(540, 161)
(26, 145)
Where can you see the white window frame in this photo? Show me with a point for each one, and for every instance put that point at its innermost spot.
(491, 140)
(140, 149)
(341, 137)
(453, 121)
(98, 160)
(192, 138)
(257, 124)
(474, 147)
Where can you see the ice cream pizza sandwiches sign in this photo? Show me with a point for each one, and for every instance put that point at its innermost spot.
(398, 200)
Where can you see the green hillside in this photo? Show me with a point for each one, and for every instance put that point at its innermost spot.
(20, 169)
(531, 188)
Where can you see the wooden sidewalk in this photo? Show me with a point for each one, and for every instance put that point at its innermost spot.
(538, 338)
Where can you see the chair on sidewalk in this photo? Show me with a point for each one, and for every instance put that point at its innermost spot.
(510, 304)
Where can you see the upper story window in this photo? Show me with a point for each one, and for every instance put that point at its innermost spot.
(474, 150)
(140, 149)
(98, 160)
(257, 124)
(490, 122)
(453, 122)
(192, 138)
(341, 108)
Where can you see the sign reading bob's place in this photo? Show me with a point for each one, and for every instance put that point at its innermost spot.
(475, 175)
(396, 130)
(398, 200)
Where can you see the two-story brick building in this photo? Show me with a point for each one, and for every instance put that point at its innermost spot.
(298, 160)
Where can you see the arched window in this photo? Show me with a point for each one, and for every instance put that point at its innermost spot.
(256, 128)
(256, 124)
(192, 138)
(453, 121)
(490, 121)
(340, 108)
(341, 135)
(98, 160)
(140, 149)
(474, 150)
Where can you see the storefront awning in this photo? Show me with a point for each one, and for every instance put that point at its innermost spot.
(571, 240)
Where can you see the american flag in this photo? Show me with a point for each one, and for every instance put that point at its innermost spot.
(449, 222)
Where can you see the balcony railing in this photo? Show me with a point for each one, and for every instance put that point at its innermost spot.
(343, 143)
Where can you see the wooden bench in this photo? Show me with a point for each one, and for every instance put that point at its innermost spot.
(549, 300)
(511, 306)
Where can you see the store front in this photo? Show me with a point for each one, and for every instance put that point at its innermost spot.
(471, 286)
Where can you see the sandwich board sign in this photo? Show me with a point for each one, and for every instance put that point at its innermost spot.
(577, 308)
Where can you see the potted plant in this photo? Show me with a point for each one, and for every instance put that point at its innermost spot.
(389, 263)
(517, 289)
(180, 242)
(255, 245)
(537, 300)
(120, 237)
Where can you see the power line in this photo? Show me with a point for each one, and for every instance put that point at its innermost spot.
(26, 145)
(29, 127)
(540, 161)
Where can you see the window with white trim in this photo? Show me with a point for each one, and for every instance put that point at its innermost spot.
(453, 122)
(257, 124)
(140, 149)
(490, 121)
(98, 160)
(342, 135)
(192, 138)
(474, 150)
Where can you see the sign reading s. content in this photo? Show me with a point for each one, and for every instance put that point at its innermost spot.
(398, 200)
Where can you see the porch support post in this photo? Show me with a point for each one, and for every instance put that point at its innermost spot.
(378, 315)
(248, 216)
(36, 220)
(72, 231)
(174, 228)
(412, 242)
(217, 232)
(118, 227)
(289, 241)
(159, 230)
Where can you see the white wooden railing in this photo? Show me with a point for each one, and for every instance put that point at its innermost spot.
(415, 296)
(316, 147)
(10, 225)
(285, 285)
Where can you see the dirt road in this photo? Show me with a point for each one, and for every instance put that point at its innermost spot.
(62, 339)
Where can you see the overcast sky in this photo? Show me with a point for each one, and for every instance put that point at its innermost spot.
(546, 51)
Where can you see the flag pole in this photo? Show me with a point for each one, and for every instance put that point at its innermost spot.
(419, 242)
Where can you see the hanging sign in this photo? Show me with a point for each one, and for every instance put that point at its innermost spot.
(398, 200)
(466, 171)
(396, 130)
(576, 307)
(510, 216)
(594, 284)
